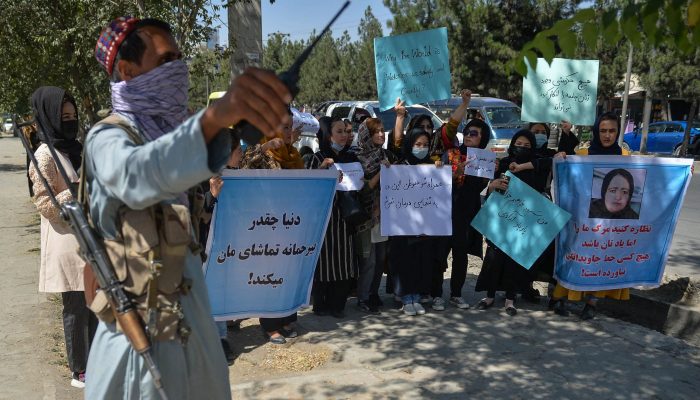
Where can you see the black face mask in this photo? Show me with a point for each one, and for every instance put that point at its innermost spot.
(520, 153)
(69, 129)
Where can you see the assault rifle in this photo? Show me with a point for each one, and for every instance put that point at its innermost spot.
(290, 78)
(92, 250)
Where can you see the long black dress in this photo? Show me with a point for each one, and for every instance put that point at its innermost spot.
(499, 271)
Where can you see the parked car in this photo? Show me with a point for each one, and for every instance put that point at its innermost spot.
(664, 137)
(501, 115)
(322, 109)
(6, 123)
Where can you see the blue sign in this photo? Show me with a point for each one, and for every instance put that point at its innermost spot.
(522, 222)
(265, 239)
(624, 213)
(562, 90)
(414, 67)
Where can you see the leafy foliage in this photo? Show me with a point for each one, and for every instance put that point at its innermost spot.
(47, 42)
(672, 24)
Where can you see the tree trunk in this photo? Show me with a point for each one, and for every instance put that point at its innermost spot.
(689, 123)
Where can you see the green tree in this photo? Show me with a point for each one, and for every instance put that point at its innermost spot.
(47, 42)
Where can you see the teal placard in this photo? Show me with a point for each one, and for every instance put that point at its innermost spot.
(563, 90)
(522, 222)
(414, 67)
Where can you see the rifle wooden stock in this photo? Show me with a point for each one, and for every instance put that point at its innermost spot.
(130, 322)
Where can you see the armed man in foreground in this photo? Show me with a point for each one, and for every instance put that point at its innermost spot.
(139, 163)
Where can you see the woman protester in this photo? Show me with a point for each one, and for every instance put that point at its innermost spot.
(615, 197)
(276, 153)
(499, 270)
(414, 257)
(61, 266)
(466, 203)
(440, 140)
(336, 268)
(371, 244)
(605, 134)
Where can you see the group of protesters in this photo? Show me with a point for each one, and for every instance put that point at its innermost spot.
(154, 151)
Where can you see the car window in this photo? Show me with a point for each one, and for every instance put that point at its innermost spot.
(674, 128)
(657, 128)
(500, 116)
(340, 112)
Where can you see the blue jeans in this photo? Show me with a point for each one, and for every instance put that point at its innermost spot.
(410, 298)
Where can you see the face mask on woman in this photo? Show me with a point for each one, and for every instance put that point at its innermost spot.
(521, 154)
(337, 147)
(541, 139)
(419, 152)
(69, 129)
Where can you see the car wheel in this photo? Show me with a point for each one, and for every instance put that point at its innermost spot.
(677, 151)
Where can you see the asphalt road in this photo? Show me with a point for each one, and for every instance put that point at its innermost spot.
(684, 257)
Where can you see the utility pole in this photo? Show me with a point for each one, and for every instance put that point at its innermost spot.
(245, 35)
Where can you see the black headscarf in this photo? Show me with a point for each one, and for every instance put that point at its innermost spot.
(543, 150)
(530, 176)
(407, 146)
(599, 209)
(485, 134)
(324, 141)
(596, 147)
(520, 155)
(47, 103)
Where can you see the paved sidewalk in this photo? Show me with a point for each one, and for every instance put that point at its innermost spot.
(459, 354)
(31, 336)
(454, 354)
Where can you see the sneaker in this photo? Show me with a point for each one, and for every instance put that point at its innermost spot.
(78, 380)
(459, 302)
(424, 299)
(367, 307)
(438, 304)
(409, 309)
(419, 308)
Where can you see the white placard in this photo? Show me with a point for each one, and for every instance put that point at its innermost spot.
(481, 163)
(306, 121)
(353, 176)
(416, 200)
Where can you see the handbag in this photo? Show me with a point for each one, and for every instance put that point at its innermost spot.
(351, 208)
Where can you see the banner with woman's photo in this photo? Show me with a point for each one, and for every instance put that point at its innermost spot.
(624, 214)
(265, 239)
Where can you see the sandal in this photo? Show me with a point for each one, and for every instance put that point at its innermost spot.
(512, 311)
(483, 304)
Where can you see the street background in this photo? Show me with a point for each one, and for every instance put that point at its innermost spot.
(452, 354)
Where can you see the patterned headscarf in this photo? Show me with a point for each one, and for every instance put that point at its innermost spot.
(111, 38)
(157, 100)
(370, 154)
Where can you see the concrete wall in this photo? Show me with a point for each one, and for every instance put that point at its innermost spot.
(245, 35)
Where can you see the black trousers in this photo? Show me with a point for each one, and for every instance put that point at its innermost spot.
(460, 261)
(275, 324)
(439, 264)
(331, 296)
(79, 325)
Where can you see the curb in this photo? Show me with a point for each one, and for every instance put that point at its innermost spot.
(671, 319)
